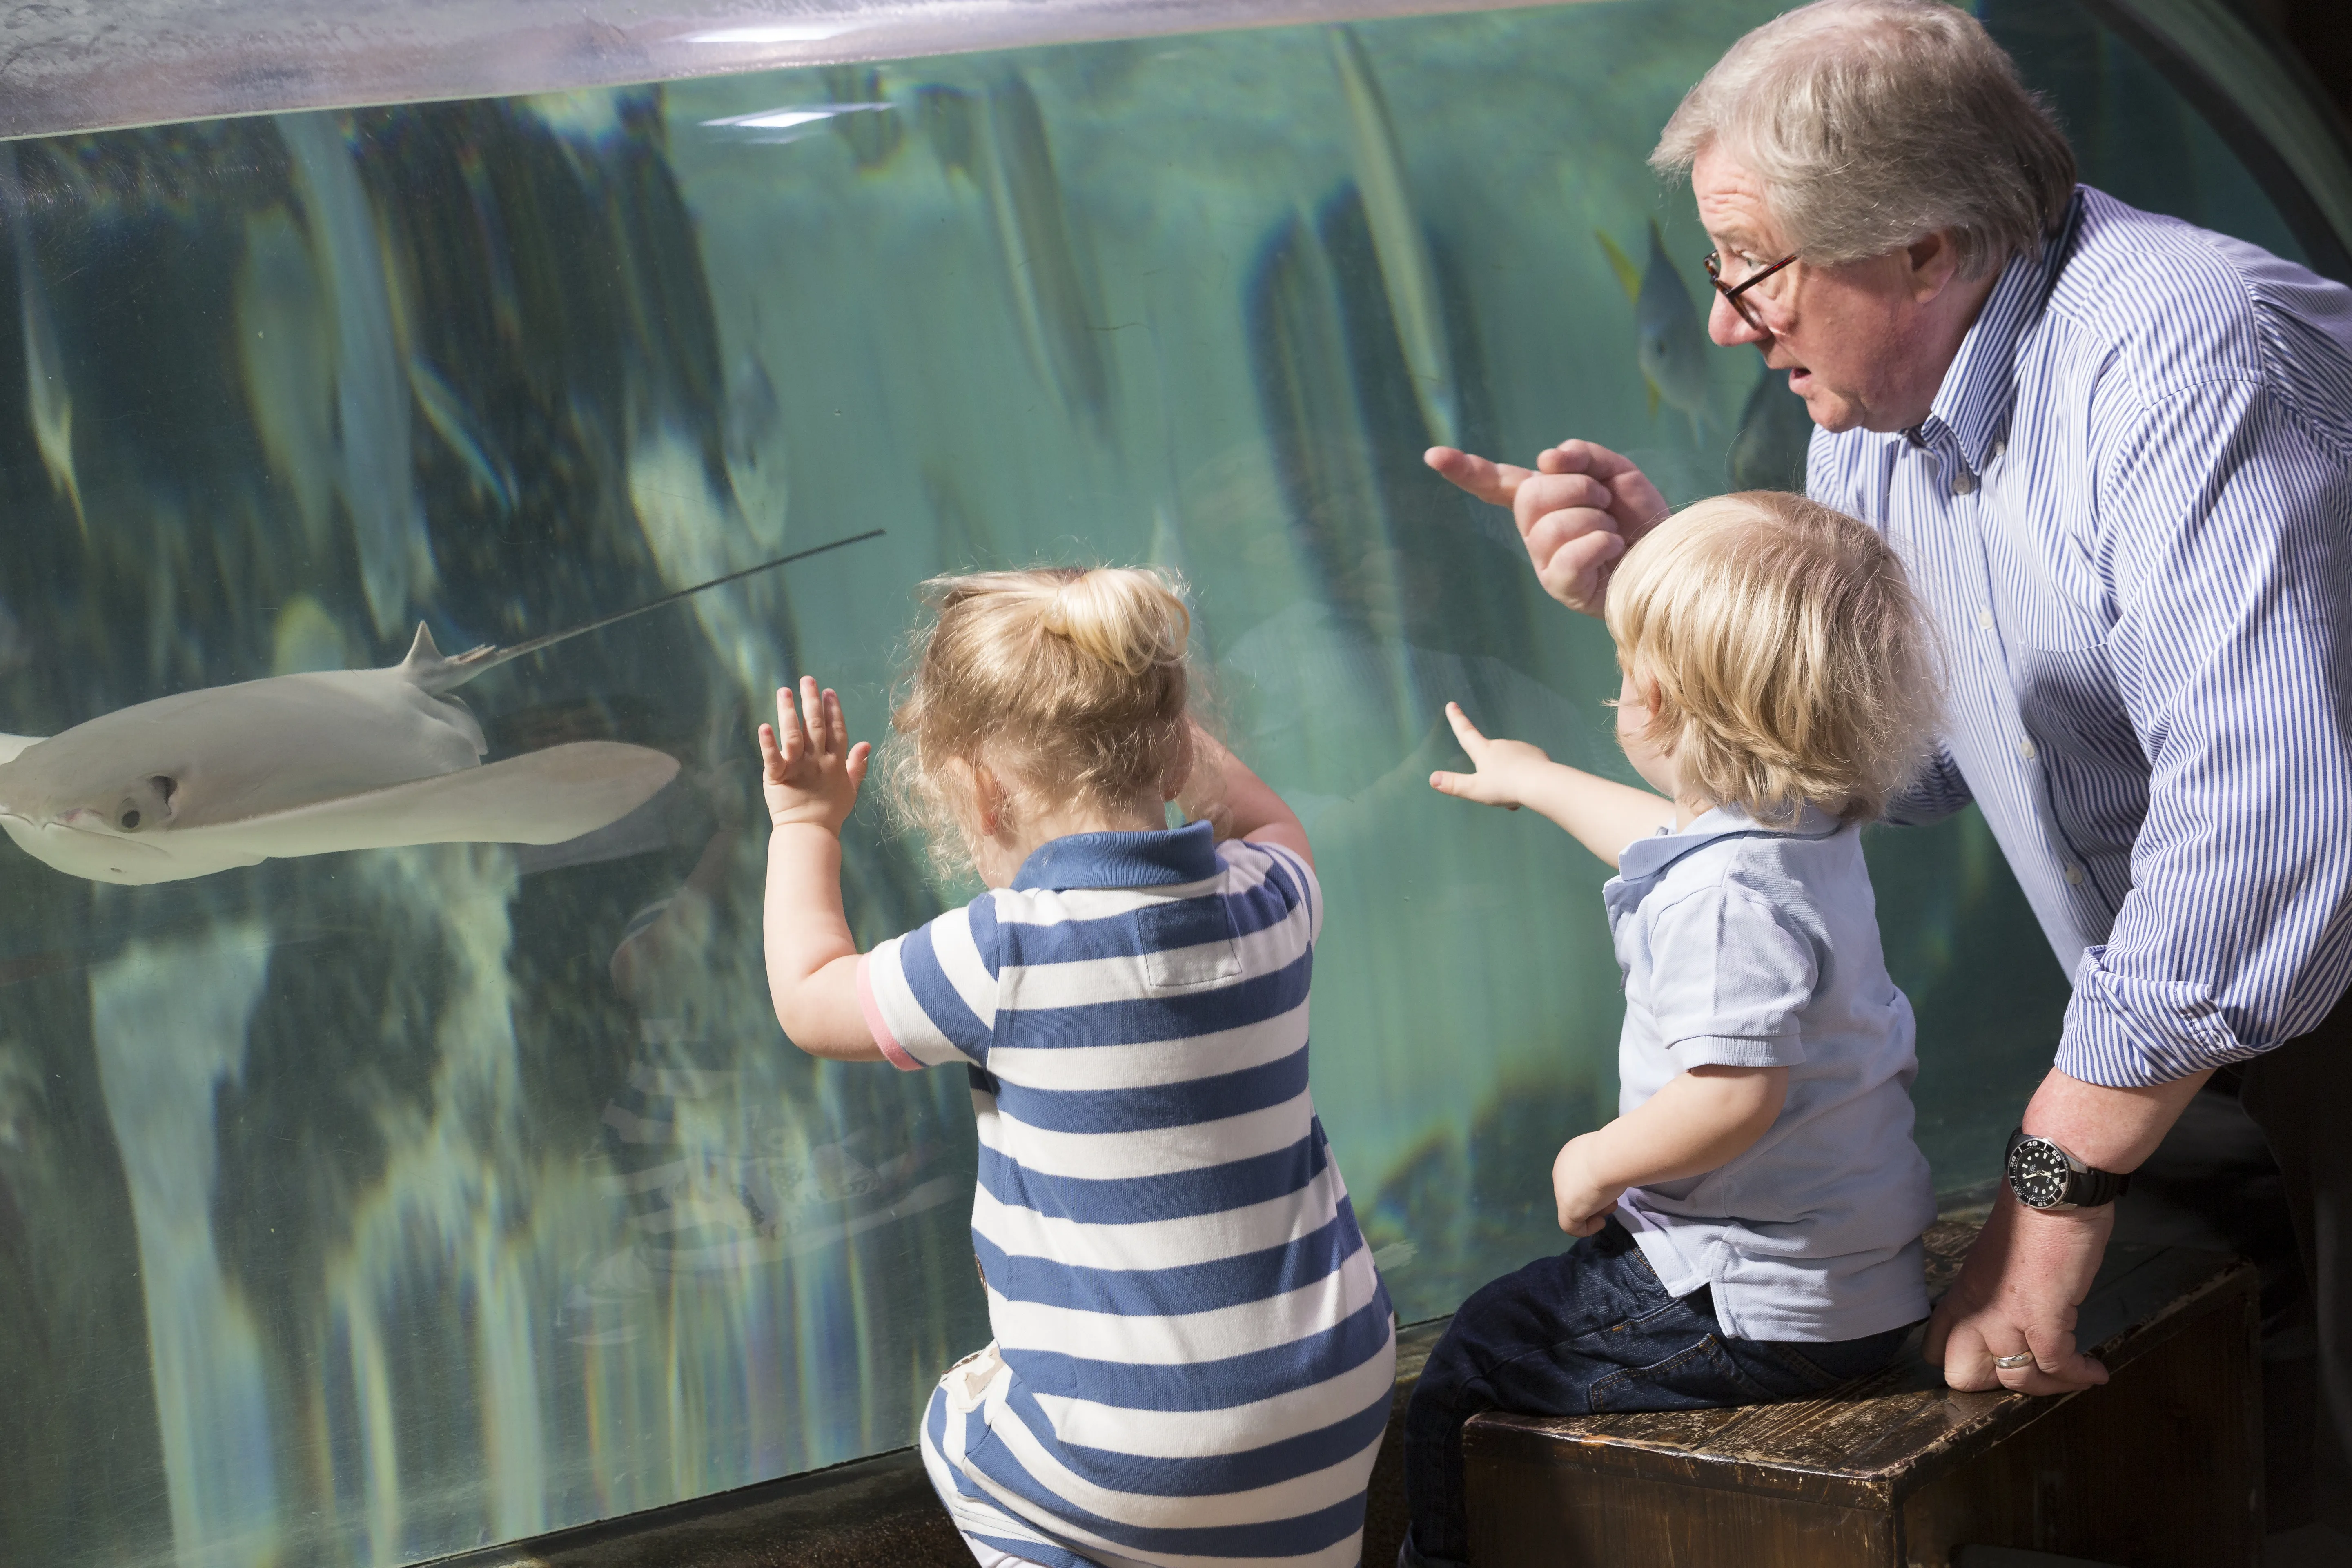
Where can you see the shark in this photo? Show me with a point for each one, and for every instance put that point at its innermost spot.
(45, 379)
(372, 393)
(317, 763)
(1408, 271)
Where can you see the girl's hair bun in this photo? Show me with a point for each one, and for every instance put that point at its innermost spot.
(1126, 618)
(1065, 683)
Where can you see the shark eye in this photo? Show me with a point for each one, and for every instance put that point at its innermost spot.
(128, 820)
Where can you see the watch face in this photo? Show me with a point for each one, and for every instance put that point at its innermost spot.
(2038, 1172)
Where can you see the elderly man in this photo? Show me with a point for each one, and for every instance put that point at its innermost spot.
(2116, 453)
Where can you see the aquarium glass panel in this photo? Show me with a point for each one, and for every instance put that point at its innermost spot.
(365, 1198)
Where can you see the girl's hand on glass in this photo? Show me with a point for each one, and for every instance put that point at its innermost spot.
(1584, 1203)
(1502, 765)
(809, 772)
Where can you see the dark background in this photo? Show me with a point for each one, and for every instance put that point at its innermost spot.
(2319, 32)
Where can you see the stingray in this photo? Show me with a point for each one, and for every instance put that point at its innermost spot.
(311, 763)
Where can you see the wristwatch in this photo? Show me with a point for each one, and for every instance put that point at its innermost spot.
(2046, 1177)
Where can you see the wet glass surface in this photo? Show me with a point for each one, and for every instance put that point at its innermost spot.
(358, 1208)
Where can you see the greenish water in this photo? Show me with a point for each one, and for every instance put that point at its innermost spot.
(361, 1208)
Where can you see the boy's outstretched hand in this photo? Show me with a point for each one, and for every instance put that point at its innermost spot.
(1503, 766)
(809, 772)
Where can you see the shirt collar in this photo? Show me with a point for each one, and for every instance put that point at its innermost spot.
(1148, 859)
(1649, 857)
(1974, 402)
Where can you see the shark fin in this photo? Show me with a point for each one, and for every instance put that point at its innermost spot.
(436, 671)
(424, 651)
(67, 479)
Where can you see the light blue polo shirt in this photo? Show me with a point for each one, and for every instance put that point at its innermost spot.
(1748, 946)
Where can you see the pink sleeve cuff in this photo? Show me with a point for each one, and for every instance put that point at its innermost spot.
(892, 1051)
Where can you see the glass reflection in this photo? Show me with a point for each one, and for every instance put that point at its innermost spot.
(361, 1208)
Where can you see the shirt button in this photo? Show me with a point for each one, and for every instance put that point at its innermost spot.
(2025, 749)
(1964, 483)
(2073, 875)
(1984, 617)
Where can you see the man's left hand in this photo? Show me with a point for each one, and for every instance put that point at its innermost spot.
(2018, 1292)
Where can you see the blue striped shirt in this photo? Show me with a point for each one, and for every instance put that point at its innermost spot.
(1201, 1353)
(2128, 513)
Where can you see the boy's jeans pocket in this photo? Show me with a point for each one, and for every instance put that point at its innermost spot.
(1701, 1376)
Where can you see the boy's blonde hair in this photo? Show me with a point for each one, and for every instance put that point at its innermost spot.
(1067, 684)
(1791, 665)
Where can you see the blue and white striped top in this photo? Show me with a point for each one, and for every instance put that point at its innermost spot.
(1202, 1353)
(2130, 511)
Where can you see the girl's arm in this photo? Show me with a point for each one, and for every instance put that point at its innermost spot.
(1700, 1122)
(1600, 813)
(809, 775)
(1245, 805)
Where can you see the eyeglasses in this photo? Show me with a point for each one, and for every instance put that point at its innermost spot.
(1731, 293)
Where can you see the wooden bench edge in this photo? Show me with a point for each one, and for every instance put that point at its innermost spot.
(1994, 1417)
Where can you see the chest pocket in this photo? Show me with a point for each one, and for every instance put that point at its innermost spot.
(2069, 697)
(1189, 943)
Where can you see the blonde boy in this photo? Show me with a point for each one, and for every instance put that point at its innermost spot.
(1752, 1218)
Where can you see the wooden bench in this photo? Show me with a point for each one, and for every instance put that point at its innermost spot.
(2160, 1466)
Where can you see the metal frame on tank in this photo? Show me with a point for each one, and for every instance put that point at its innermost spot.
(96, 65)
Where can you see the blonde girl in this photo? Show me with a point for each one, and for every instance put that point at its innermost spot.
(1194, 1355)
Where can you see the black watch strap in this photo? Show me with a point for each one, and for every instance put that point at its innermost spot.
(2091, 1188)
(2084, 1187)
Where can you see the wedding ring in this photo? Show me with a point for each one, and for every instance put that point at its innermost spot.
(2011, 1362)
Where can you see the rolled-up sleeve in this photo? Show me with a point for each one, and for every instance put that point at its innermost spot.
(2223, 524)
(1935, 795)
(930, 996)
(1738, 980)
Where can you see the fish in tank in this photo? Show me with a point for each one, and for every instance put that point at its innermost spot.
(368, 1205)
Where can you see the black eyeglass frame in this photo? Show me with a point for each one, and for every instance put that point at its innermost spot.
(1732, 292)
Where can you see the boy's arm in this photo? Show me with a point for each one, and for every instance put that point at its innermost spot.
(1245, 805)
(1600, 813)
(1701, 1122)
(809, 775)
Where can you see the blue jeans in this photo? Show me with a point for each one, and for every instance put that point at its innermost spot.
(1589, 1331)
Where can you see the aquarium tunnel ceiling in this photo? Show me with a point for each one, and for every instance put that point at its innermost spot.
(98, 64)
(89, 65)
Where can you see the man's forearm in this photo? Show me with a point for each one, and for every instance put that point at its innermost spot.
(2108, 1129)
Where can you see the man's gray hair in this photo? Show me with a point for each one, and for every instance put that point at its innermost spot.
(1873, 123)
